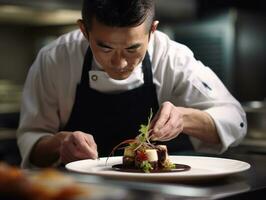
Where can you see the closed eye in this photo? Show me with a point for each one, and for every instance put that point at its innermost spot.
(133, 48)
(104, 47)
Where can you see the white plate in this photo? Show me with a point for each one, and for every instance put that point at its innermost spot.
(201, 168)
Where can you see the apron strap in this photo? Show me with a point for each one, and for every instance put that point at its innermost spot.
(147, 69)
(86, 68)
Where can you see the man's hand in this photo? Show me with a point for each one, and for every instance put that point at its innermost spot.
(170, 121)
(167, 123)
(66, 146)
(76, 146)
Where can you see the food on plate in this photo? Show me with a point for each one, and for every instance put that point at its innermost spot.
(141, 154)
(46, 184)
(151, 158)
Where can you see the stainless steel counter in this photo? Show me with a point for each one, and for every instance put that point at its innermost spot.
(245, 185)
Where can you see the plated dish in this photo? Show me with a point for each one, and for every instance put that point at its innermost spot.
(143, 155)
(201, 168)
(143, 159)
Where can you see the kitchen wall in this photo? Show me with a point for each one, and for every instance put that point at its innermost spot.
(19, 46)
(250, 78)
(16, 50)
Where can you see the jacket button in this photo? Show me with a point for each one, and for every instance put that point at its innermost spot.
(94, 77)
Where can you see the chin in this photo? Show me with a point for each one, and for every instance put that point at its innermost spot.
(121, 76)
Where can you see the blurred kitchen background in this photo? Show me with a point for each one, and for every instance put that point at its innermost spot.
(227, 35)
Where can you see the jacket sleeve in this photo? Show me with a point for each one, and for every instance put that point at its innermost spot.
(199, 87)
(39, 110)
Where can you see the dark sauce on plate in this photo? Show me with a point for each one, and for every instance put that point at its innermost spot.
(178, 168)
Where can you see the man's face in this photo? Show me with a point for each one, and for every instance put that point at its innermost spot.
(118, 50)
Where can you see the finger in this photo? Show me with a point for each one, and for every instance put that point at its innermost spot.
(154, 120)
(171, 129)
(174, 124)
(91, 142)
(88, 152)
(163, 117)
(86, 146)
(76, 153)
(72, 148)
(170, 135)
(93, 150)
(70, 151)
(66, 154)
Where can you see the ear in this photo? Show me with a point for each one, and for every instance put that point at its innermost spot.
(154, 26)
(83, 28)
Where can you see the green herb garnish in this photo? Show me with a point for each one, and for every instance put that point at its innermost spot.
(146, 166)
(144, 130)
(141, 141)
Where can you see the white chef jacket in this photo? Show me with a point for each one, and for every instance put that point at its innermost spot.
(50, 88)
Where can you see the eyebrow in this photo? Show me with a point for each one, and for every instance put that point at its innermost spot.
(102, 44)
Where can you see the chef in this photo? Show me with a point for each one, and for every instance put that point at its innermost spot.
(92, 88)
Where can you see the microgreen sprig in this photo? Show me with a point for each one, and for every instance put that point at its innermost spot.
(142, 140)
(144, 136)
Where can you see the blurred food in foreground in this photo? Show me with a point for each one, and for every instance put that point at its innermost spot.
(47, 184)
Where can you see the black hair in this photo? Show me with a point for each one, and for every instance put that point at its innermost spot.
(118, 13)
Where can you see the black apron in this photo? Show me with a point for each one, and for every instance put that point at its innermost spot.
(112, 118)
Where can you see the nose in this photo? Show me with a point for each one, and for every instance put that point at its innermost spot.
(118, 61)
